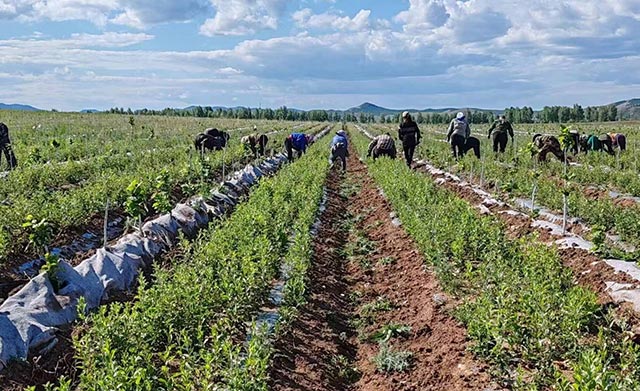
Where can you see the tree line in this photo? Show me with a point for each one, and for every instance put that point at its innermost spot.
(549, 114)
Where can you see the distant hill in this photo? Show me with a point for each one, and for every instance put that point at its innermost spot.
(370, 108)
(17, 107)
(628, 109)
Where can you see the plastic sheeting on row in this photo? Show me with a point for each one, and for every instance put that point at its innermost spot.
(30, 318)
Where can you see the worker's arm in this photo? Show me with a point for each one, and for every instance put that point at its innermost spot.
(493, 126)
(418, 134)
(450, 131)
(510, 129)
(371, 146)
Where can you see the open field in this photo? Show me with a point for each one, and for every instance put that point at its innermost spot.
(299, 276)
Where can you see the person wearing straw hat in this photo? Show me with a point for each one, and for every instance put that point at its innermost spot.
(457, 135)
(409, 134)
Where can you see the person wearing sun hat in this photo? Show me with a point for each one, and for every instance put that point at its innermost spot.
(458, 134)
(409, 134)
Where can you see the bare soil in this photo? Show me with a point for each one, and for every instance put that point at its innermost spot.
(327, 347)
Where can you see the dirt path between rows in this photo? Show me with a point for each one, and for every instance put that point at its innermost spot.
(589, 270)
(367, 273)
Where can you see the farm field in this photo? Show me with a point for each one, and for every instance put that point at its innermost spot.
(72, 165)
(381, 277)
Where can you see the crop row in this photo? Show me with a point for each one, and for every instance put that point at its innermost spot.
(186, 331)
(521, 308)
(519, 176)
(162, 174)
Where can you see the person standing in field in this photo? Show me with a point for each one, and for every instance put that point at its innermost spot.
(5, 147)
(457, 135)
(499, 132)
(382, 145)
(339, 148)
(409, 134)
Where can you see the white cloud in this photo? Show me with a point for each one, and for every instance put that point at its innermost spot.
(438, 52)
(306, 19)
(423, 15)
(134, 13)
(243, 17)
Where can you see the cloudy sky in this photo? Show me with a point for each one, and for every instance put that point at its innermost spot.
(75, 54)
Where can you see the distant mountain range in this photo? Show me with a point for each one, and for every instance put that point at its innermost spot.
(17, 107)
(627, 109)
(370, 108)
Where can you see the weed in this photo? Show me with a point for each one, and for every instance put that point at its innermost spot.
(387, 261)
(381, 304)
(390, 360)
(346, 369)
(391, 330)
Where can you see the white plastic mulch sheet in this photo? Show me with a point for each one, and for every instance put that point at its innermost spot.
(29, 319)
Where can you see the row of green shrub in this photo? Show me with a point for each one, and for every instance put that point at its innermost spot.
(523, 312)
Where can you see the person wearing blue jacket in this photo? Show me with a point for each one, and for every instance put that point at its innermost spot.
(339, 148)
(297, 141)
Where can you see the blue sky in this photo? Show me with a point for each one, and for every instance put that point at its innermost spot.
(75, 54)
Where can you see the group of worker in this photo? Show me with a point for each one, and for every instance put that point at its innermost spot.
(458, 136)
(607, 142)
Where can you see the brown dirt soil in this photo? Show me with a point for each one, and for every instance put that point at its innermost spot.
(306, 355)
(41, 369)
(588, 269)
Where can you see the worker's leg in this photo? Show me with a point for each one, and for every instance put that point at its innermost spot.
(496, 142)
(289, 148)
(503, 139)
(622, 142)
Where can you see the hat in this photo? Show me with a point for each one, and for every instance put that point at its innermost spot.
(340, 132)
(405, 114)
(460, 115)
(255, 127)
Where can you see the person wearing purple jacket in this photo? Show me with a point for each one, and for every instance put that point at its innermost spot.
(339, 148)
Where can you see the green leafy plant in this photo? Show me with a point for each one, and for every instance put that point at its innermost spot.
(136, 202)
(161, 197)
(391, 330)
(51, 267)
(40, 232)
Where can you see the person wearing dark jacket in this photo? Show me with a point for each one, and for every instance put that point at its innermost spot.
(459, 132)
(618, 140)
(606, 144)
(5, 147)
(297, 141)
(472, 144)
(382, 145)
(339, 148)
(548, 144)
(499, 132)
(409, 134)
